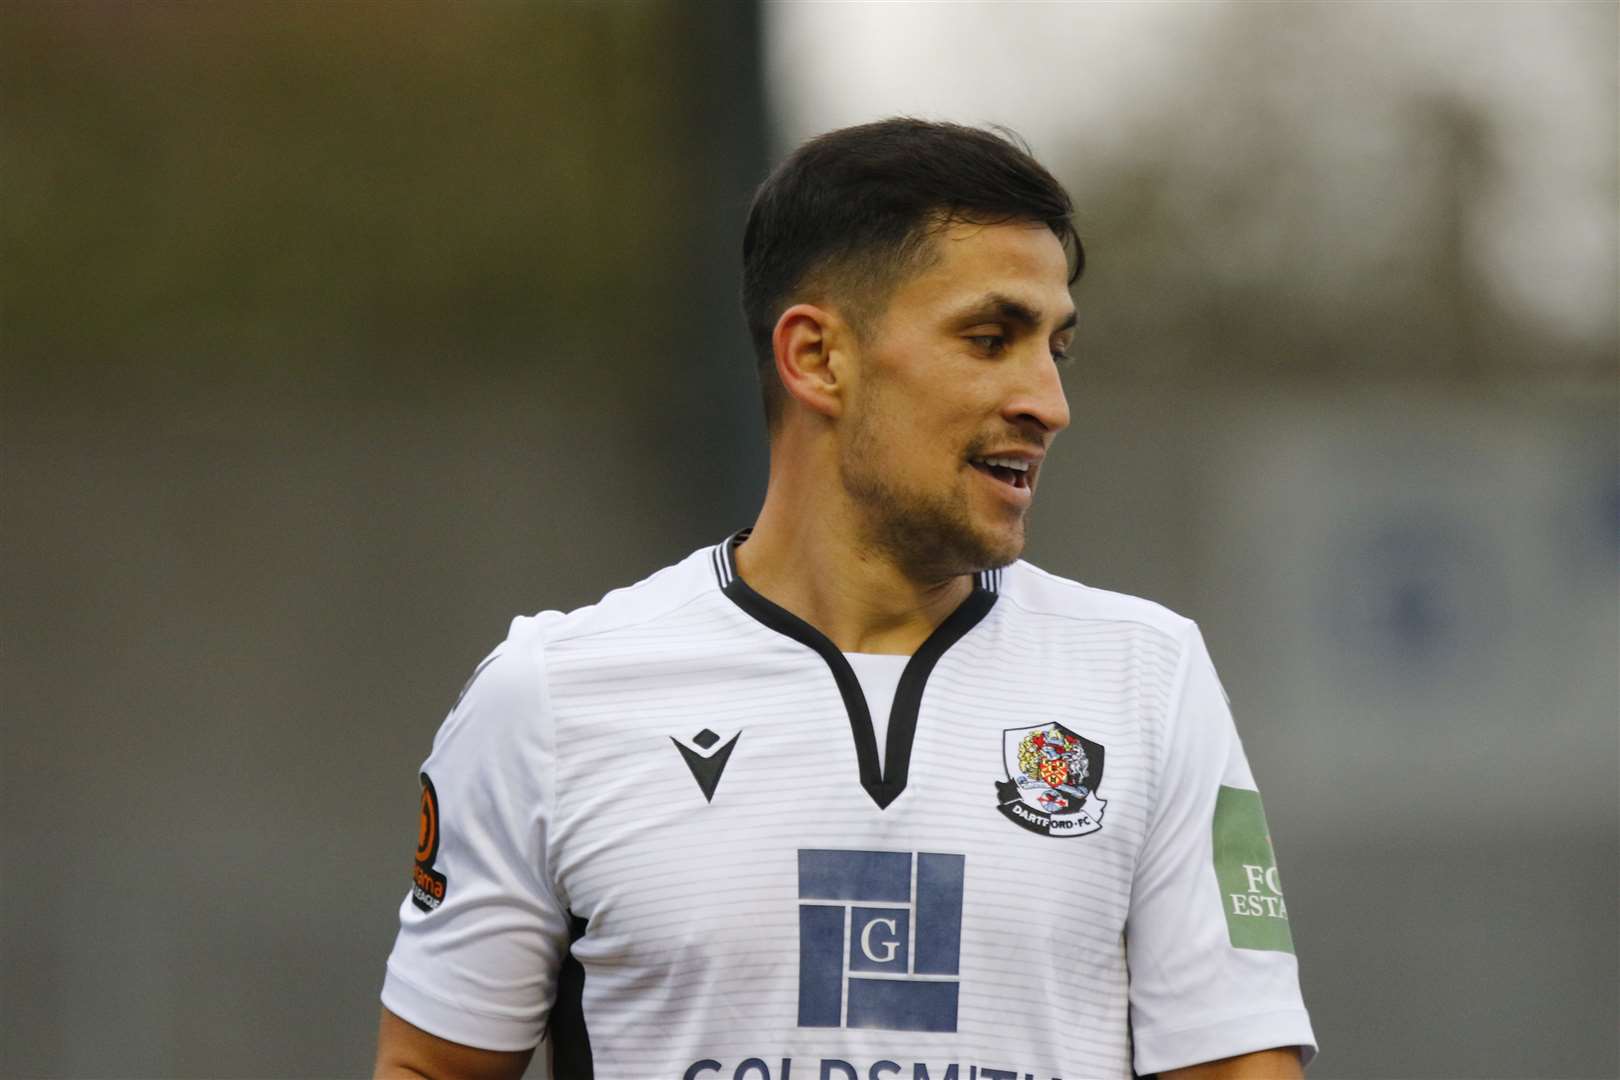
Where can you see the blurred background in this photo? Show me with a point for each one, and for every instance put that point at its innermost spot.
(334, 335)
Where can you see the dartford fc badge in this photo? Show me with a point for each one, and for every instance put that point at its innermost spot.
(1052, 780)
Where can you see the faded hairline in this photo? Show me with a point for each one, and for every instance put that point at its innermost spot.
(859, 284)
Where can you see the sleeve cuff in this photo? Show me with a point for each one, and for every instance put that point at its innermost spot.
(455, 1022)
(1156, 1050)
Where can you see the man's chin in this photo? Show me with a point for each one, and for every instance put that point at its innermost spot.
(982, 549)
(1003, 551)
(934, 540)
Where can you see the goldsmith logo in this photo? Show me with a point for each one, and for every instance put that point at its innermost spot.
(880, 939)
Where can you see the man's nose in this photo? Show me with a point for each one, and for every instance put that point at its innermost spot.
(1038, 399)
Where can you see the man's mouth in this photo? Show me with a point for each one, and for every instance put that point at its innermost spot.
(1014, 472)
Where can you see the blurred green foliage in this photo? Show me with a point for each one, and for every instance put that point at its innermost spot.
(299, 190)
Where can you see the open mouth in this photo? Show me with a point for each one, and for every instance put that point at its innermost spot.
(1013, 472)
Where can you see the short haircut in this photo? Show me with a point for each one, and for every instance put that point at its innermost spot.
(850, 214)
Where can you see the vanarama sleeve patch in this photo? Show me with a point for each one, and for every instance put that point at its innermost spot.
(427, 884)
(1246, 867)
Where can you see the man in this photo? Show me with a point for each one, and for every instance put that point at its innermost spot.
(855, 794)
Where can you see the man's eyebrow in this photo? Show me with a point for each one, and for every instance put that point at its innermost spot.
(998, 305)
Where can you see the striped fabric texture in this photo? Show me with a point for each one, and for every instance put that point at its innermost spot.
(1026, 887)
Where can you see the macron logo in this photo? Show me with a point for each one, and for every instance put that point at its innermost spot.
(706, 766)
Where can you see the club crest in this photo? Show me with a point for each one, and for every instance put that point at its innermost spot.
(1052, 780)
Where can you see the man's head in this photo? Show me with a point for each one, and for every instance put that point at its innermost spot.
(851, 213)
(907, 287)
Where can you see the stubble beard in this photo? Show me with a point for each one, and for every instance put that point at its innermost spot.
(930, 537)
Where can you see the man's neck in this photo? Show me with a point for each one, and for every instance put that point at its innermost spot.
(813, 565)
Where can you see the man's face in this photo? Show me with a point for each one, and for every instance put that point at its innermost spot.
(955, 399)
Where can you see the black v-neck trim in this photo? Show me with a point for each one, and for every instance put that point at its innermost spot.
(885, 785)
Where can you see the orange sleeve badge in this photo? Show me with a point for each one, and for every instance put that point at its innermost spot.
(427, 884)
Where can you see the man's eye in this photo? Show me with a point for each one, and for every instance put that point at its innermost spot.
(989, 343)
(1061, 358)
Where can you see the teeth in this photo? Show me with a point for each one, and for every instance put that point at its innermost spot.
(1008, 463)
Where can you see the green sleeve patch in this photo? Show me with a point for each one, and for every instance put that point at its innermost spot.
(1246, 867)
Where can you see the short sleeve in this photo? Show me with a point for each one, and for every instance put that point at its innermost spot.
(1211, 956)
(482, 936)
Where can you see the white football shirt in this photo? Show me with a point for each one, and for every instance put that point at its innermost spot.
(1059, 870)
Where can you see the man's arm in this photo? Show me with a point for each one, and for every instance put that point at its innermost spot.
(406, 1051)
(1211, 976)
(481, 926)
(1279, 1064)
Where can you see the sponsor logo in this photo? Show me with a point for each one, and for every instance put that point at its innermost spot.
(880, 937)
(756, 1068)
(705, 762)
(1052, 780)
(427, 884)
(1246, 867)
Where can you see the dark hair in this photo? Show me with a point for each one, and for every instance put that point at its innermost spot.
(852, 212)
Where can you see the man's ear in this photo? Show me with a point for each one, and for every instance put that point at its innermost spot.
(806, 341)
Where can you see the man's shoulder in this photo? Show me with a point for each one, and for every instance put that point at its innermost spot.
(1041, 592)
(654, 597)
